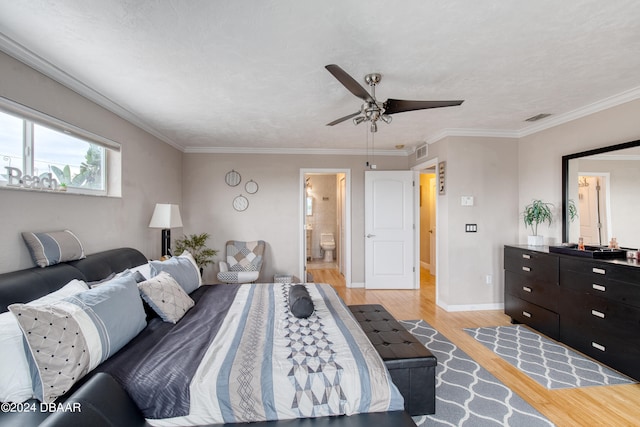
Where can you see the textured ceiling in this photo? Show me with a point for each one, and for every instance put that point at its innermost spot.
(249, 74)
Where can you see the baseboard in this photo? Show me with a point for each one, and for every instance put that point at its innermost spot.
(470, 307)
(357, 285)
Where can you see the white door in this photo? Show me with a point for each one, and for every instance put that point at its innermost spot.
(388, 218)
(592, 209)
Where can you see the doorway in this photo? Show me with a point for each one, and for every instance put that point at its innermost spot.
(594, 208)
(426, 212)
(325, 224)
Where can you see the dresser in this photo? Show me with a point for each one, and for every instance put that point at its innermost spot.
(590, 305)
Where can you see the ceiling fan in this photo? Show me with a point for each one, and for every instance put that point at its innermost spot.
(372, 110)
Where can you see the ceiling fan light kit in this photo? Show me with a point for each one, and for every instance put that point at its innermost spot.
(372, 110)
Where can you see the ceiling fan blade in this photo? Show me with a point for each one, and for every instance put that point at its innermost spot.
(393, 106)
(349, 82)
(342, 119)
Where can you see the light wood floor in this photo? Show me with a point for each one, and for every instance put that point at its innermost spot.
(586, 406)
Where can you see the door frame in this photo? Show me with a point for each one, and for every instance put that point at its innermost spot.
(302, 214)
(419, 169)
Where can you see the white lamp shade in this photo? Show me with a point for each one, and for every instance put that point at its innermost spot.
(166, 216)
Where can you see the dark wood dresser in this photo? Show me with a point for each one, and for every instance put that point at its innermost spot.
(591, 305)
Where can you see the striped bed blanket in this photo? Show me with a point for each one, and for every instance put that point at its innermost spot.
(258, 362)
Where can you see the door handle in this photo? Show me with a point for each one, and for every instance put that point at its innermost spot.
(370, 236)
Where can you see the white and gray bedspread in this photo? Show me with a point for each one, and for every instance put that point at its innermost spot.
(240, 355)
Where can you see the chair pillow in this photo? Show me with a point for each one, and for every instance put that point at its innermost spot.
(166, 297)
(300, 302)
(69, 338)
(53, 247)
(182, 268)
(15, 377)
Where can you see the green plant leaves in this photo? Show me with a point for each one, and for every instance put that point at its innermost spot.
(536, 213)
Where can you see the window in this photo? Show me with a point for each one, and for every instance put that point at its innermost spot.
(43, 153)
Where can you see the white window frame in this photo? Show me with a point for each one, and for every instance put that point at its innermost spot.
(31, 117)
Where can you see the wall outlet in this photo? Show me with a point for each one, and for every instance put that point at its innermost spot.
(488, 279)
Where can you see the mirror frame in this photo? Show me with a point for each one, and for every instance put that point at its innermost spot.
(565, 178)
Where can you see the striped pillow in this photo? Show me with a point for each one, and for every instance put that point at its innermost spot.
(53, 247)
(69, 338)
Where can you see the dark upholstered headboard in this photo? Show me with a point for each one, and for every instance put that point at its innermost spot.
(27, 285)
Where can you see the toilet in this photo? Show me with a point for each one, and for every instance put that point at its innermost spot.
(328, 245)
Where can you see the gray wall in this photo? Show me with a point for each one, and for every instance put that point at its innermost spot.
(151, 173)
(487, 169)
(274, 212)
(540, 156)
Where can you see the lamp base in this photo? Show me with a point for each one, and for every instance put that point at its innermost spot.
(166, 242)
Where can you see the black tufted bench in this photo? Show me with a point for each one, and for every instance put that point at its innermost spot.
(411, 365)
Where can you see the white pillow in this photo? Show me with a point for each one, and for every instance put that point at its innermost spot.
(166, 297)
(15, 377)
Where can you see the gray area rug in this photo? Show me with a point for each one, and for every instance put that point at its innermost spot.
(466, 393)
(551, 364)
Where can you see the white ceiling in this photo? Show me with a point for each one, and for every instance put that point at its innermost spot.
(213, 75)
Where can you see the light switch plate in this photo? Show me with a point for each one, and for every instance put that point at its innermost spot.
(466, 200)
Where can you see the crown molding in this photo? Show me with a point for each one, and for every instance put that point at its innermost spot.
(315, 151)
(24, 55)
(482, 133)
(603, 104)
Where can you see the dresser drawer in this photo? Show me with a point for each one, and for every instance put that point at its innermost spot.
(537, 266)
(602, 270)
(533, 315)
(601, 286)
(524, 287)
(593, 311)
(610, 348)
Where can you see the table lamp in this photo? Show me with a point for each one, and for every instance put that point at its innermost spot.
(166, 217)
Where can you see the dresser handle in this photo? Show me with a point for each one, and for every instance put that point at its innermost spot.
(526, 314)
(526, 289)
(526, 256)
(526, 269)
(599, 287)
(598, 346)
(599, 270)
(597, 314)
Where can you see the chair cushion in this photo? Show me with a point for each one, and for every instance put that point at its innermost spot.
(238, 276)
(245, 256)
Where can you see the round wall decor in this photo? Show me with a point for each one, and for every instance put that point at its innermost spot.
(251, 187)
(240, 203)
(232, 178)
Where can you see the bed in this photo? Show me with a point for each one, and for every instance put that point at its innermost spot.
(237, 355)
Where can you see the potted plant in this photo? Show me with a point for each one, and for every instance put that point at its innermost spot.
(534, 214)
(196, 245)
(573, 210)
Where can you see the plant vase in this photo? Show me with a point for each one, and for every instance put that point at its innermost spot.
(535, 240)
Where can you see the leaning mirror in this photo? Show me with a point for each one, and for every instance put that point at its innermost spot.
(601, 197)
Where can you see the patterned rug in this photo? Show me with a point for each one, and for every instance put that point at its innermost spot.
(466, 393)
(551, 364)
